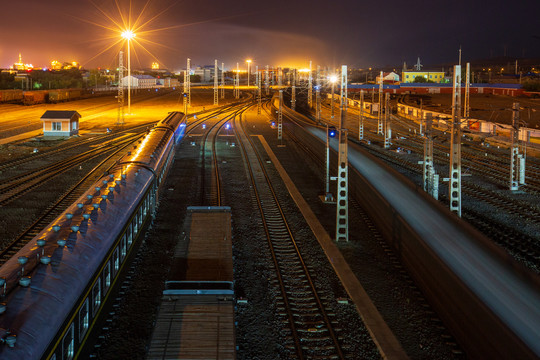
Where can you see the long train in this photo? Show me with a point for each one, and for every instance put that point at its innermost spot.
(490, 303)
(54, 289)
(33, 97)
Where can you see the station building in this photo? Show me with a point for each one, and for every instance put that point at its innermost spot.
(435, 76)
(140, 81)
(60, 123)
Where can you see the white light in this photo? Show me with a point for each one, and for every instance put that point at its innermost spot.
(128, 34)
(333, 78)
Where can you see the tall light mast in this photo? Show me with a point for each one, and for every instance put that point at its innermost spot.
(189, 81)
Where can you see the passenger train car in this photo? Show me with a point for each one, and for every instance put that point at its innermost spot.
(55, 287)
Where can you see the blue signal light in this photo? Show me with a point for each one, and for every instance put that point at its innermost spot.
(332, 132)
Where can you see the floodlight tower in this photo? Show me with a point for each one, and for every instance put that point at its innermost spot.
(248, 71)
(128, 35)
(216, 90)
(259, 105)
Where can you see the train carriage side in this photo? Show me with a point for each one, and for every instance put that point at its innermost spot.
(53, 297)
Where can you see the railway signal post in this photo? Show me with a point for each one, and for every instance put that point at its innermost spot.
(328, 197)
(454, 182)
(517, 160)
(431, 180)
(387, 129)
(342, 208)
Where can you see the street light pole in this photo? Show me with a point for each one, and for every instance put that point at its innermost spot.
(248, 63)
(128, 35)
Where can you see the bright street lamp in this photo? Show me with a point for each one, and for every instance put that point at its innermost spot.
(248, 63)
(128, 35)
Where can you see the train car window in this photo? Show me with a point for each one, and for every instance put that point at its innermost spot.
(123, 247)
(83, 319)
(107, 277)
(129, 236)
(116, 261)
(53, 357)
(68, 344)
(145, 205)
(96, 296)
(135, 226)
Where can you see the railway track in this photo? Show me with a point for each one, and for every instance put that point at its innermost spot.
(21, 184)
(309, 326)
(55, 209)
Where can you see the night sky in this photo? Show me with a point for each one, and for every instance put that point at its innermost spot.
(280, 32)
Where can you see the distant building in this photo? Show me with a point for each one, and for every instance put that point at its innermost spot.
(140, 81)
(22, 66)
(60, 123)
(168, 82)
(435, 76)
(206, 73)
(389, 77)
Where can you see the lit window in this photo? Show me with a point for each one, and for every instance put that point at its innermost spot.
(68, 344)
(96, 295)
(107, 277)
(116, 260)
(56, 126)
(83, 320)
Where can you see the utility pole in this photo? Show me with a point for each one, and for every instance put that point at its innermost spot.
(466, 102)
(454, 184)
(267, 80)
(185, 95)
(431, 180)
(379, 118)
(421, 116)
(387, 129)
(280, 116)
(216, 89)
(120, 96)
(223, 80)
(189, 81)
(342, 207)
(310, 88)
(361, 117)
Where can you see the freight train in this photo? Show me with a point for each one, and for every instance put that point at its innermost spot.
(54, 289)
(34, 97)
